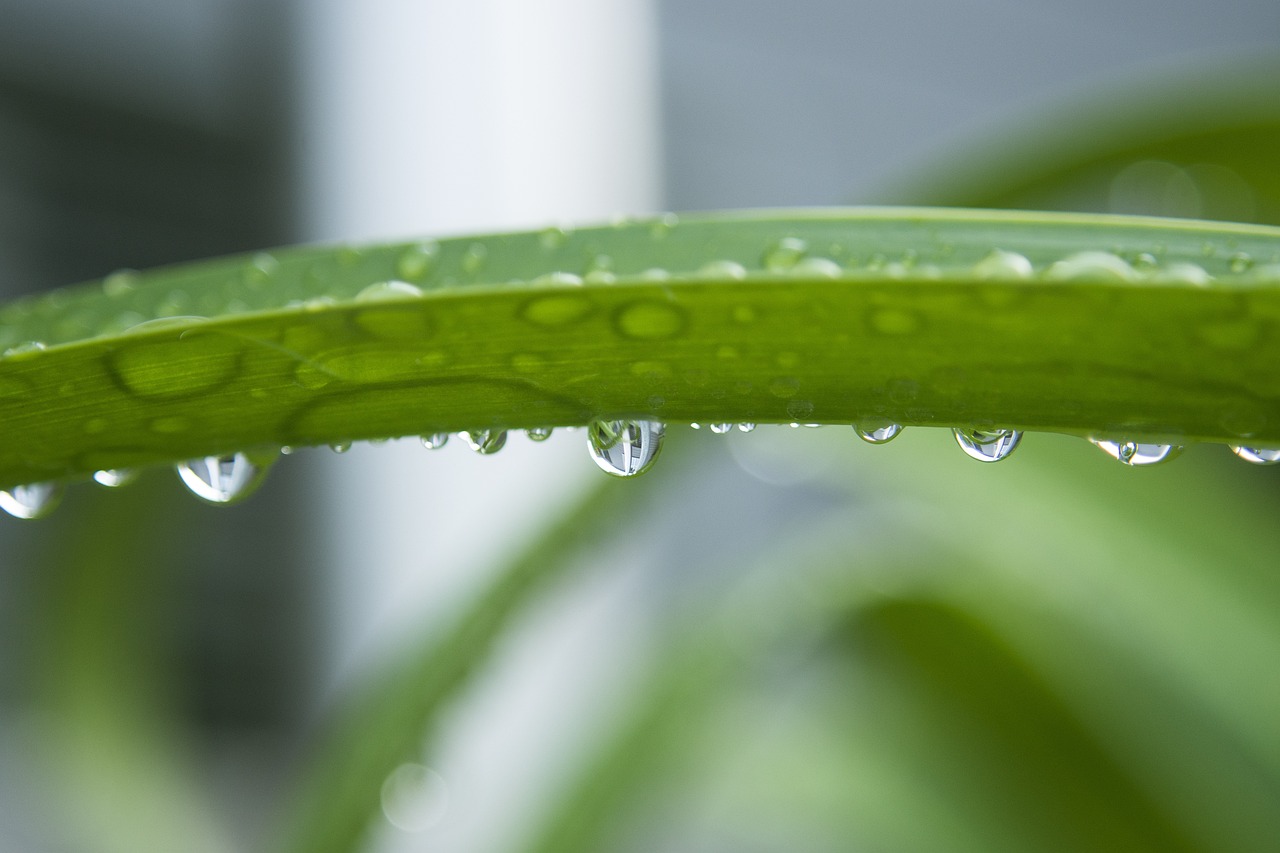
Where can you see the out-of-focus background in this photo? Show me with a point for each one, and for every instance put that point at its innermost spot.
(1055, 654)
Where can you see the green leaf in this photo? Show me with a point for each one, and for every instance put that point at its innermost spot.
(1113, 326)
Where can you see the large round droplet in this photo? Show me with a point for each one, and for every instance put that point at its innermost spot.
(1137, 453)
(988, 445)
(1257, 455)
(877, 432)
(224, 479)
(34, 500)
(485, 441)
(625, 448)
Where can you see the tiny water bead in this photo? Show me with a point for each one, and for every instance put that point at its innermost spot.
(114, 478)
(340, 446)
(1257, 455)
(988, 445)
(34, 500)
(999, 264)
(416, 262)
(486, 442)
(1136, 453)
(1091, 266)
(877, 432)
(625, 448)
(223, 479)
(538, 433)
(720, 428)
(384, 290)
(785, 254)
(435, 440)
(746, 426)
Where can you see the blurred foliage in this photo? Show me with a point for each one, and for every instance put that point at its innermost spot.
(1056, 653)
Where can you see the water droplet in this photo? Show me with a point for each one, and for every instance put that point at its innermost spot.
(817, 268)
(800, 408)
(1181, 272)
(384, 290)
(414, 798)
(625, 448)
(473, 260)
(485, 441)
(560, 309)
(435, 440)
(721, 428)
(746, 427)
(785, 254)
(120, 283)
(695, 426)
(987, 445)
(538, 433)
(558, 277)
(260, 269)
(1136, 453)
(224, 479)
(24, 348)
(34, 500)
(340, 446)
(554, 237)
(191, 364)
(722, 269)
(1240, 262)
(650, 320)
(784, 387)
(416, 262)
(1257, 455)
(877, 432)
(1091, 266)
(114, 478)
(663, 225)
(999, 264)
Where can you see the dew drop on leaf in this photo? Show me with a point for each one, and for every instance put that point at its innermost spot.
(999, 264)
(1136, 453)
(877, 432)
(223, 479)
(384, 290)
(485, 441)
(34, 500)
(1257, 455)
(625, 448)
(114, 478)
(435, 440)
(988, 445)
(538, 433)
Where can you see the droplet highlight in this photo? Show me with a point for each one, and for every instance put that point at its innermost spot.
(34, 500)
(114, 478)
(486, 442)
(435, 440)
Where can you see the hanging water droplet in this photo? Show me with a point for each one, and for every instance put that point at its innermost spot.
(114, 478)
(695, 426)
(1137, 453)
(746, 427)
(34, 500)
(538, 433)
(485, 441)
(987, 445)
(625, 448)
(340, 446)
(224, 479)
(435, 440)
(1257, 455)
(877, 431)
(720, 429)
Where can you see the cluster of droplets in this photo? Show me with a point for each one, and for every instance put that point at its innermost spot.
(622, 448)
